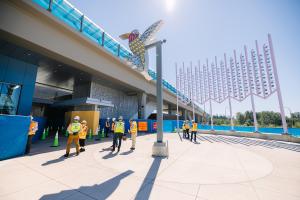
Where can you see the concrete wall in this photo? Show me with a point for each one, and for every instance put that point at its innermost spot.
(58, 41)
(18, 72)
(124, 105)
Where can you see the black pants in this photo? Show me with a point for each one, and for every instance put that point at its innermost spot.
(117, 136)
(106, 130)
(187, 132)
(193, 134)
(28, 145)
(82, 142)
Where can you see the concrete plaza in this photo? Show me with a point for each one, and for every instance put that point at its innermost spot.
(215, 168)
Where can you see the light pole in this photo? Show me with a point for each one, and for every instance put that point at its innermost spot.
(159, 147)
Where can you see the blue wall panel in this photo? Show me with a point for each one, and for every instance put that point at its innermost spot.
(13, 138)
(19, 72)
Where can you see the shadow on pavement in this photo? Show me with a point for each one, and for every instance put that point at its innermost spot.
(126, 152)
(147, 185)
(110, 155)
(97, 191)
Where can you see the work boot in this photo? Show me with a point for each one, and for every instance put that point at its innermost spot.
(132, 148)
(77, 153)
(113, 149)
(66, 155)
(82, 150)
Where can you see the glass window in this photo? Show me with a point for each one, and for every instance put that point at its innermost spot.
(9, 98)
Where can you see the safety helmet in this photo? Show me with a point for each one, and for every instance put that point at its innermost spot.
(77, 118)
(113, 119)
(120, 118)
(84, 122)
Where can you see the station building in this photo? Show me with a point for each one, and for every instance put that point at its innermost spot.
(56, 63)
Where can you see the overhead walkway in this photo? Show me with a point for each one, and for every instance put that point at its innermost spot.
(67, 13)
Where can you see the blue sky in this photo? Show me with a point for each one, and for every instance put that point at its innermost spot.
(200, 29)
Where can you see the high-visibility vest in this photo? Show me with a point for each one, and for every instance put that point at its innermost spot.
(133, 127)
(187, 126)
(83, 132)
(119, 127)
(113, 126)
(195, 127)
(75, 127)
(33, 127)
(183, 127)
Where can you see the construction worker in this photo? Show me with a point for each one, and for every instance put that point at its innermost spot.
(194, 130)
(106, 127)
(119, 133)
(113, 123)
(33, 127)
(133, 132)
(74, 129)
(183, 130)
(187, 129)
(82, 135)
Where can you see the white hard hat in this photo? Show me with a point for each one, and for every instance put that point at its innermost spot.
(113, 119)
(77, 118)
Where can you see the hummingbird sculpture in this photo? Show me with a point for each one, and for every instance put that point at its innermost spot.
(138, 42)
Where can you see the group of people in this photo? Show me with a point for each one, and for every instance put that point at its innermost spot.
(78, 131)
(186, 127)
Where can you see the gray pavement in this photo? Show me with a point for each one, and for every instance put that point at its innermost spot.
(215, 168)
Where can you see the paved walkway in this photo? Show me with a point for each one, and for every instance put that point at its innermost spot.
(216, 168)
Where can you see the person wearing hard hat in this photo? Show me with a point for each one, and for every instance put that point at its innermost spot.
(187, 129)
(74, 129)
(106, 127)
(82, 135)
(113, 125)
(194, 130)
(133, 132)
(119, 133)
(33, 127)
(183, 130)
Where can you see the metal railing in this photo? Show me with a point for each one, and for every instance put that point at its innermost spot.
(71, 16)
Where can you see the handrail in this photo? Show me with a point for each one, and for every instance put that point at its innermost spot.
(108, 42)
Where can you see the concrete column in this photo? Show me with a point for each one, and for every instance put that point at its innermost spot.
(185, 114)
(142, 105)
(169, 109)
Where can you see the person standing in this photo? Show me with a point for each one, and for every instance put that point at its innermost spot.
(33, 127)
(106, 127)
(119, 133)
(187, 129)
(73, 129)
(133, 132)
(113, 125)
(183, 130)
(82, 135)
(194, 131)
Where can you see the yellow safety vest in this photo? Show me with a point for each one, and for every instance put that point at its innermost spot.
(133, 127)
(119, 127)
(187, 126)
(83, 132)
(183, 127)
(75, 127)
(195, 127)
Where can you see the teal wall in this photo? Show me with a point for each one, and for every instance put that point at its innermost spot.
(18, 72)
(13, 133)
